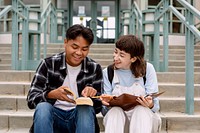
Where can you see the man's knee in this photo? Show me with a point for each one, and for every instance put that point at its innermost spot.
(85, 109)
(43, 108)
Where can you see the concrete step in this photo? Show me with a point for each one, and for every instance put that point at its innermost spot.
(16, 76)
(174, 90)
(167, 104)
(182, 63)
(14, 88)
(170, 68)
(171, 89)
(179, 51)
(15, 120)
(163, 77)
(5, 61)
(180, 56)
(5, 66)
(172, 121)
(181, 68)
(177, 104)
(175, 77)
(100, 54)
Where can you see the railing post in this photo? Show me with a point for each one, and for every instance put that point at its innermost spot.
(15, 40)
(165, 37)
(156, 46)
(25, 40)
(132, 23)
(45, 39)
(189, 93)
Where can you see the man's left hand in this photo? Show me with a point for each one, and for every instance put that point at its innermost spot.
(89, 92)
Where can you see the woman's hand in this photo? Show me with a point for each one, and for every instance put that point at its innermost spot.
(105, 99)
(145, 101)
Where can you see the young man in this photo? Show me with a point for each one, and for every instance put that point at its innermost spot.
(55, 109)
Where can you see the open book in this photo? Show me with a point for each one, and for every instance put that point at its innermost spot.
(80, 100)
(128, 101)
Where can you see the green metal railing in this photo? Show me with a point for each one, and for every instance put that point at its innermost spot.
(132, 21)
(161, 19)
(135, 20)
(27, 24)
(51, 13)
(4, 18)
(162, 11)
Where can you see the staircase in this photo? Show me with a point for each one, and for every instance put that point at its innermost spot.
(15, 117)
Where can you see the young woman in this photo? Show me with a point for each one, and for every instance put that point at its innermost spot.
(130, 68)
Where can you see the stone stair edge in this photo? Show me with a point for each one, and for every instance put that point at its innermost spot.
(33, 71)
(30, 113)
(159, 83)
(15, 82)
(160, 97)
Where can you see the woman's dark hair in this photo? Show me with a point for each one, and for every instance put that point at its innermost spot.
(79, 30)
(132, 45)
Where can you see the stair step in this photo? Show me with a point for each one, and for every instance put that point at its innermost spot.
(17, 76)
(177, 104)
(167, 104)
(176, 122)
(181, 68)
(163, 77)
(173, 121)
(175, 77)
(14, 88)
(171, 89)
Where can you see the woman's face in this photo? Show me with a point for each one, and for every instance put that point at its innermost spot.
(122, 60)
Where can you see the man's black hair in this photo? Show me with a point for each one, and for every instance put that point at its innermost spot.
(79, 30)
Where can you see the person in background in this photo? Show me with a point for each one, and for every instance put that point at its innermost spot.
(55, 108)
(130, 68)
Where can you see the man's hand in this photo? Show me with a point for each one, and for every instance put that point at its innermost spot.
(146, 101)
(61, 94)
(89, 92)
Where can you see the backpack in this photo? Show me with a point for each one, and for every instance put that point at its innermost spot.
(110, 72)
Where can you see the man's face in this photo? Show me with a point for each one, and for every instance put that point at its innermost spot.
(76, 50)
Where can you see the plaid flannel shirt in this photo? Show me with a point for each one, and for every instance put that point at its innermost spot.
(51, 73)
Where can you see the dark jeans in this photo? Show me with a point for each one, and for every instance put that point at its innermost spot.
(48, 119)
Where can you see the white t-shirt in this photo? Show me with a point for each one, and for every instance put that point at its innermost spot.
(70, 82)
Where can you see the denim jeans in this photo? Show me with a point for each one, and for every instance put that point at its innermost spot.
(48, 119)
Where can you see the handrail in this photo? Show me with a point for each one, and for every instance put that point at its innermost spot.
(49, 11)
(192, 28)
(5, 11)
(45, 10)
(193, 10)
(138, 15)
(190, 34)
(190, 8)
(138, 10)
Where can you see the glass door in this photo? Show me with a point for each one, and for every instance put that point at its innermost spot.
(99, 15)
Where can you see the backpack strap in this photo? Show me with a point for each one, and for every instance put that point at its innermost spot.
(144, 78)
(110, 72)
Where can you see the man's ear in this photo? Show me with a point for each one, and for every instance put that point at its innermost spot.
(133, 59)
(65, 42)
